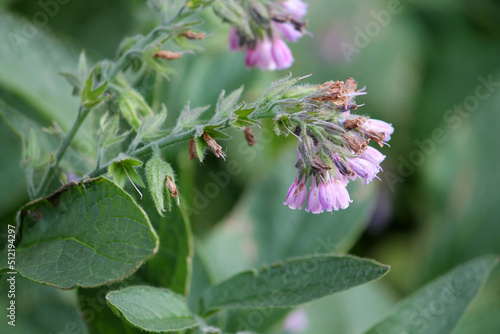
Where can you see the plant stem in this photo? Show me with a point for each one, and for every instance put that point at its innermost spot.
(146, 151)
(42, 188)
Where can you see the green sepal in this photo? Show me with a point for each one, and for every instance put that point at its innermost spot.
(122, 168)
(157, 171)
(200, 145)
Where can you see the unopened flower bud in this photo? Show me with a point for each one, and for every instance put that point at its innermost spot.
(249, 136)
(214, 147)
(169, 55)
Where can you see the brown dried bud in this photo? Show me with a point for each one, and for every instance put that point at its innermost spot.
(249, 136)
(350, 124)
(171, 186)
(192, 149)
(193, 35)
(375, 136)
(280, 18)
(318, 165)
(343, 167)
(351, 85)
(212, 144)
(357, 144)
(169, 55)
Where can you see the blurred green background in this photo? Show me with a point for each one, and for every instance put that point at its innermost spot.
(424, 66)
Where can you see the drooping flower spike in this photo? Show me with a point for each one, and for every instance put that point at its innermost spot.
(334, 149)
(266, 48)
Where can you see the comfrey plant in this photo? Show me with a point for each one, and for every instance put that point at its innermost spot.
(90, 233)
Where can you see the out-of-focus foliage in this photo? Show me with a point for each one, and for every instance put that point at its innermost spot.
(437, 204)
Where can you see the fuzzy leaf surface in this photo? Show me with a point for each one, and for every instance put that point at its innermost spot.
(292, 282)
(85, 234)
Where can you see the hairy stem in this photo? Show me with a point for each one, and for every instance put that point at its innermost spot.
(143, 153)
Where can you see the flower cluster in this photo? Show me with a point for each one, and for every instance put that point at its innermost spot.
(269, 51)
(334, 149)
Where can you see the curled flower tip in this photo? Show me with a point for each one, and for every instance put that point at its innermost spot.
(193, 35)
(169, 55)
(296, 194)
(350, 124)
(214, 147)
(249, 136)
(192, 149)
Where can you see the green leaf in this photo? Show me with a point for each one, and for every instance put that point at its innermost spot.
(157, 171)
(110, 129)
(149, 129)
(129, 111)
(437, 307)
(226, 105)
(214, 133)
(122, 168)
(96, 93)
(85, 234)
(132, 106)
(292, 282)
(152, 309)
(87, 88)
(189, 118)
(92, 97)
(171, 266)
(98, 316)
(242, 120)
